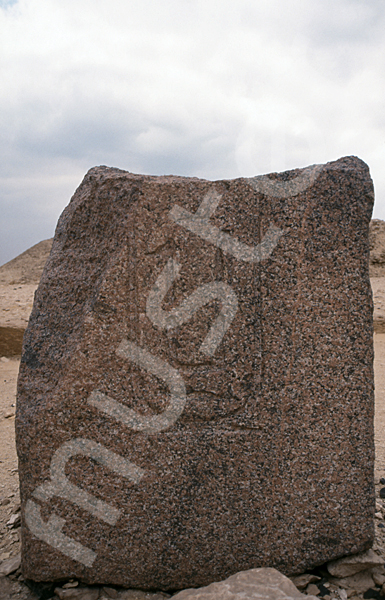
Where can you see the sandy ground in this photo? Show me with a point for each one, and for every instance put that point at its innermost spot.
(9, 484)
(378, 289)
(16, 304)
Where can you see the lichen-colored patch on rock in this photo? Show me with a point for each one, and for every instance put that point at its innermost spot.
(195, 394)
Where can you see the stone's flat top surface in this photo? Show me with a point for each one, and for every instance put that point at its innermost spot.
(258, 584)
(196, 389)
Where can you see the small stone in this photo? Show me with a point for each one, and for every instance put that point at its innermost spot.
(382, 493)
(254, 584)
(77, 593)
(360, 582)
(378, 515)
(379, 578)
(382, 480)
(10, 565)
(70, 584)
(140, 595)
(8, 414)
(5, 501)
(343, 594)
(378, 506)
(4, 556)
(111, 592)
(4, 359)
(350, 565)
(312, 590)
(14, 521)
(301, 581)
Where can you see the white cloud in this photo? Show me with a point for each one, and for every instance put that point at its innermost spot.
(191, 87)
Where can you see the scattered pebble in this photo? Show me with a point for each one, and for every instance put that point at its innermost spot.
(14, 521)
(10, 565)
(70, 584)
(379, 578)
(111, 592)
(312, 590)
(77, 593)
(301, 581)
(4, 556)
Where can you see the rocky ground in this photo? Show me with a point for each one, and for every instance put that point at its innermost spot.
(363, 577)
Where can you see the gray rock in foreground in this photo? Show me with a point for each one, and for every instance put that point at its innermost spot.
(350, 565)
(255, 584)
(195, 394)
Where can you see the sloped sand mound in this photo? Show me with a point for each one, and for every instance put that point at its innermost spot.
(19, 279)
(27, 267)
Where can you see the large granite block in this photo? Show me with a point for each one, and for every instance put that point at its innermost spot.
(196, 387)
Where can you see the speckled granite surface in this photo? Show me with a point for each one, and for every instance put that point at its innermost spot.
(196, 389)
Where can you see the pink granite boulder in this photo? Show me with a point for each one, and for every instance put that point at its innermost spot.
(196, 387)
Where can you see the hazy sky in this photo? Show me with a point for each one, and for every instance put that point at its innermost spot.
(206, 88)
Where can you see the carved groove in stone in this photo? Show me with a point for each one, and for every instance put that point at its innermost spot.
(199, 224)
(217, 290)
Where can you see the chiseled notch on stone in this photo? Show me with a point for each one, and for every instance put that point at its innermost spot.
(158, 367)
(217, 290)
(50, 532)
(199, 224)
(285, 189)
(60, 486)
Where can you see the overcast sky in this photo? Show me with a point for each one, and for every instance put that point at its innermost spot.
(206, 88)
